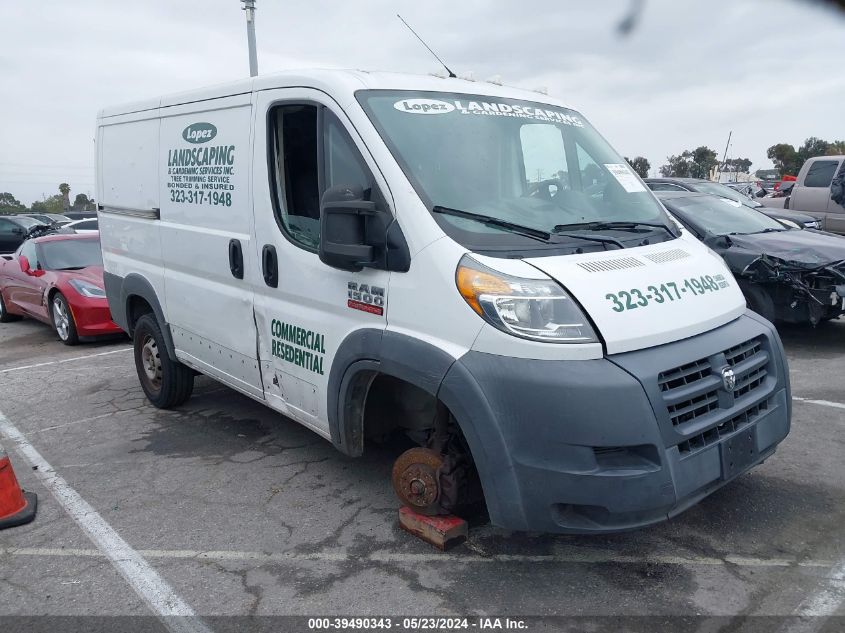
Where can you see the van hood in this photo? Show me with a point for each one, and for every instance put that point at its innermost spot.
(649, 295)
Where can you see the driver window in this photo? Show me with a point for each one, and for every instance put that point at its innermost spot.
(310, 152)
(544, 159)
(28, 251)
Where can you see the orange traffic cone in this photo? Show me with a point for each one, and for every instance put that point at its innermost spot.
(16, 506)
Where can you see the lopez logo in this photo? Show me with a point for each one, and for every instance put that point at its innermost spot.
(423, 106)
(199, 132)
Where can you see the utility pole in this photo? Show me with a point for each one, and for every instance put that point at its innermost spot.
(249, 7)
(725, 157)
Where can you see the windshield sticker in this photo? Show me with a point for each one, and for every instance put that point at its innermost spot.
(423, 106)
(625, 177)
(485, 108)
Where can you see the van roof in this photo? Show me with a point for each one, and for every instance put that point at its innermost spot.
(336, 82)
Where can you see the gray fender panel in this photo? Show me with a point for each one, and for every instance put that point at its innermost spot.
(371, 350)
(120, 289)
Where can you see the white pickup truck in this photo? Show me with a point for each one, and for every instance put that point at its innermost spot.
(811, 193)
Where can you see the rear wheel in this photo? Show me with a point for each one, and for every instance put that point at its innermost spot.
(166, 383)
(63, 320)
(5, 317)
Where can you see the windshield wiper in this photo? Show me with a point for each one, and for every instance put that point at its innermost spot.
(71, 268)
(527, 231)
(621, 225)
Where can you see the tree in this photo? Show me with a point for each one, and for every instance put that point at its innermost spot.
(785, 158)
(788, 160)
(837, 148)
(64, 189)
(697, 163)
(53, 204)
(640, 165)
(737, 165)
(10, 204)
(81, 202)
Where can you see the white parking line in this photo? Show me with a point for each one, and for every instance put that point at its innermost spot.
(65, 360)
(432, 557)
(146, 582)
(824, 403)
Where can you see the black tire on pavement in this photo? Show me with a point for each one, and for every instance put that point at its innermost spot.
(62, 318)
(167, 383)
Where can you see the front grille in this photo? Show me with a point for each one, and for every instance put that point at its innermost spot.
(711, 436)
(695, 393)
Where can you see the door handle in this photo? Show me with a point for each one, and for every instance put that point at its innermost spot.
(236, 259)
(270, 265)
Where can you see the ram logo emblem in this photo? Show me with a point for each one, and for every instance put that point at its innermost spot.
(728, 379)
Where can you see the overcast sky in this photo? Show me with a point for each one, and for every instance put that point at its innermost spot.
(769, 70)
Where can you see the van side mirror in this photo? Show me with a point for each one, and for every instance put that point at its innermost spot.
(23, 260)
(346, 223)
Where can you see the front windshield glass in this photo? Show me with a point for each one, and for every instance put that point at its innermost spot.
(720, 216)
(27, 223)
(531, 164)
(718, 189)
(70, 254)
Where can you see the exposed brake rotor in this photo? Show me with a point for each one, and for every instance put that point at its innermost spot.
(416, 480)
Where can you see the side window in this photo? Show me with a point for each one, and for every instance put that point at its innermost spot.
(295, 171)
(543, 157)
(28, 250)
(820, 173)
(7, 228)
(593, 177)
(87, 225)
(344, 165)
(310, 152)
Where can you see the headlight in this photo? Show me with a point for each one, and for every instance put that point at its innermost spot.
(536, 309)
(87, 289)
(812, 225)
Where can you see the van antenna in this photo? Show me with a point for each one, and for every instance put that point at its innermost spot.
(451, 74)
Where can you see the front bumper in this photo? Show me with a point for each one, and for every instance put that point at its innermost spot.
(93, 317)
(625, 441)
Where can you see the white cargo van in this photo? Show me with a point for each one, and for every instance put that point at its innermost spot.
(467, 263)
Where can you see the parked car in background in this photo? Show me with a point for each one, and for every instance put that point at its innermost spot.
(57, 279)
(785, 274)
(55, 219)
(14, 229)
(90, 225)
(811, 193)
(81, 215)
(745, 188)
(795, 220)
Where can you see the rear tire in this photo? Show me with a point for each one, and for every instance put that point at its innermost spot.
(167, 383)
(63, 321)
(760, 301)
(5, 317)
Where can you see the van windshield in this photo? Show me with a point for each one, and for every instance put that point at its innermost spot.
(532, 165)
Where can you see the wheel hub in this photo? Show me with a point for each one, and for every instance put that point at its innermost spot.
(60, 318)
(416, 479)
(150, 360)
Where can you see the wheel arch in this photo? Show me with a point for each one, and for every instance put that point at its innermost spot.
(127, 296)
(366, 354)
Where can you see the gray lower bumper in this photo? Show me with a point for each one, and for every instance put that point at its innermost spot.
(622, 442)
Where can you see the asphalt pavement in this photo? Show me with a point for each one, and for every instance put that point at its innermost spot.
(223, 507)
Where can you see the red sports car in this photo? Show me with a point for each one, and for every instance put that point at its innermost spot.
(57, 279)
